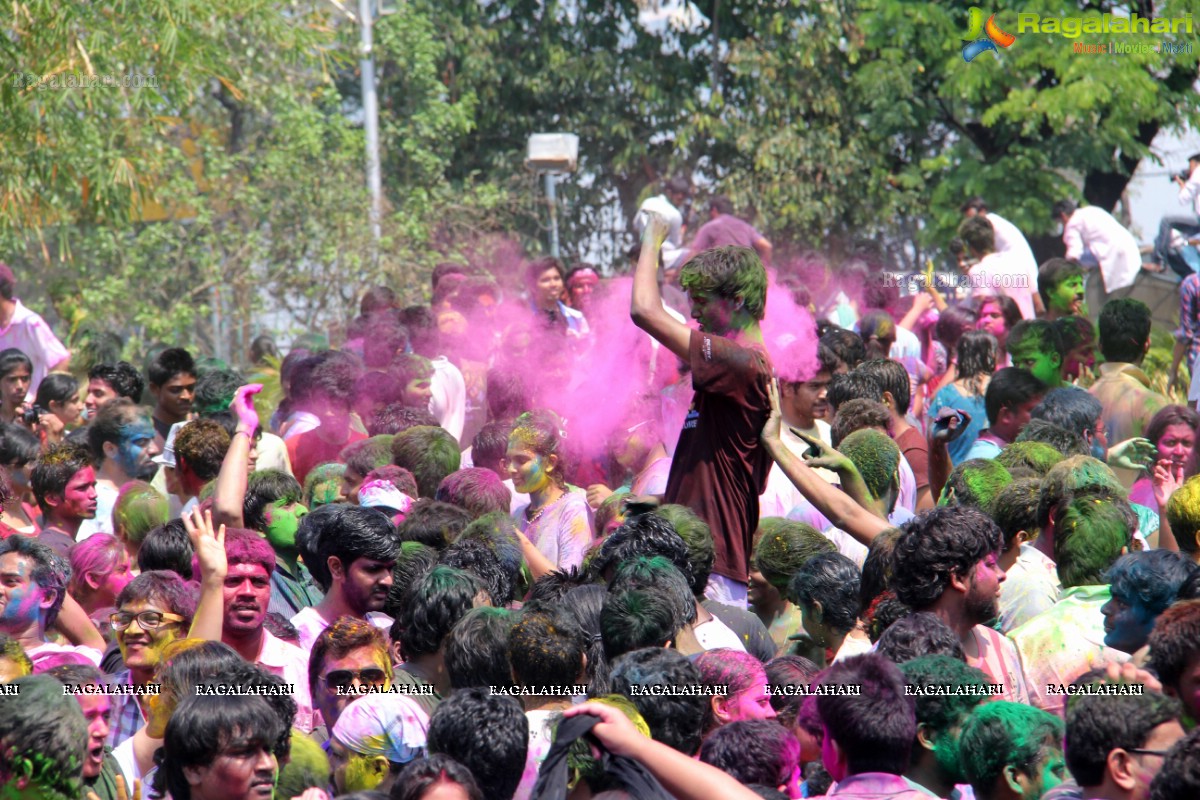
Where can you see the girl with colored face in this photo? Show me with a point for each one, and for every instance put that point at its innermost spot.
(555, 522)
(1172, 431)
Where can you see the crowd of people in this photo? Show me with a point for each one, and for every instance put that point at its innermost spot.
(828, 538)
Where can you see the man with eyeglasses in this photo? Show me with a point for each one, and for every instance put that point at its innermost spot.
(1115, 744)
(348, 655)
(153, 610)
(33, 585)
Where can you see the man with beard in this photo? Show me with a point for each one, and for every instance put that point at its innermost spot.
(946, 562)
(350, 551)
(121, 438)
(245, 585)
(64, 485)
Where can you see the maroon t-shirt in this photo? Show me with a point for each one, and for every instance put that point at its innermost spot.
(725, 229)
(916, 452)
(720, 467)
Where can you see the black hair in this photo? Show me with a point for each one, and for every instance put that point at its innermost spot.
(437, 600)
(832, 580)
(265, 488)
(847, 346)
(853, 385)
(375, 299)
(429, 452)
(952, 324)
(476, 649)
(507, 394)
(413, 560)
(1071, 408)
(215, 389)
(785, 673)
(18, 446)
(1053, 273)
(978, 234)
(1010, 388)
(546, 650)
(395, 418)
(42, 732)
(1015, 509)
(941, 711)
(875, 727)
(1175, 640)
(1066, 442)
(892, 377)
(977, 204)
(385, 338)
(56, 387)
(76, 675)
(976, 354)
(642, 535)
(433, 523)
(549, 590)
(584, 604)
(488, 734)
(1097, 725)
(477, 558)
(637, 618)
(54, 470)
(347, 532)
(877, 567)
(177, 595)
(202, 726)
(169, 363)
(107, 424)
(367, 454)
(418, 777)
(753, 751)
(499, 533)
(1179, 776)
(674, 719)
(1124, 329)
(656, 572)
(920, 633)
(167, 547)
(1062, 207)
(50, 571)
(936, 545)
(11, 358)
(697, 537)
(491, 443)
(479, 491)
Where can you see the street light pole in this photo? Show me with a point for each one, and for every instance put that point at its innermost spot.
(552, 201)
(366, 18)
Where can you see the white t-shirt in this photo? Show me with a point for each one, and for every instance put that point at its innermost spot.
(448, 401)
(1010, 241)
(1004, 273)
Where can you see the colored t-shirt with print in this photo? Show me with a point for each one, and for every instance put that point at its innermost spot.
(720, 467)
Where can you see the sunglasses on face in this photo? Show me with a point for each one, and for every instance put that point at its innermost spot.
(146, 620)
(342, 678)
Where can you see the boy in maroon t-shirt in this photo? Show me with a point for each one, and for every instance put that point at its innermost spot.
(720, 467)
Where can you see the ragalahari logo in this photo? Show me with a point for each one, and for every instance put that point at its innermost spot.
(983, 36)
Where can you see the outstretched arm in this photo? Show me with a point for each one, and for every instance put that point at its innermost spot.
(209, 544)
(683, 777)
(646, 308)
(837, 506)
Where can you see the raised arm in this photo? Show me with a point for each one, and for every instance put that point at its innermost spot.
(646, 308)
(230, 496)
(837, 506)
(209, 544)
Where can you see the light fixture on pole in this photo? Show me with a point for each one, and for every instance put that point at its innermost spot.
(553, 154)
